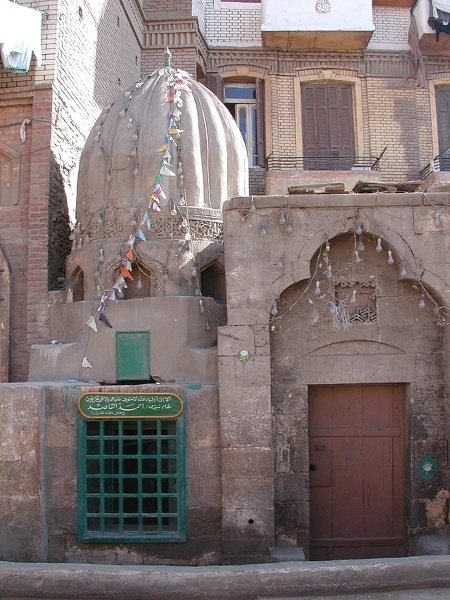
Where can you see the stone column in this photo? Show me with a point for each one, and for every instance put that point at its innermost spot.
(246, 443)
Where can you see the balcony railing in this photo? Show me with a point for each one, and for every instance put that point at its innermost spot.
(324, 163)
(441, 162)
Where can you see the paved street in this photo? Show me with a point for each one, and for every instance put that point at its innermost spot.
(427, 576)
(426, 594)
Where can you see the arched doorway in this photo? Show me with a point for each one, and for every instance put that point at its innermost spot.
(355, 399)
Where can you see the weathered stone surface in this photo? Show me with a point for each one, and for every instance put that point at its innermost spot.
(236, 582)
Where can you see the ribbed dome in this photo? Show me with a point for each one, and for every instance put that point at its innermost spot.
(168, 136)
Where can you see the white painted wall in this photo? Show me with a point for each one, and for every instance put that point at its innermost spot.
(422, 13)
(301, 15)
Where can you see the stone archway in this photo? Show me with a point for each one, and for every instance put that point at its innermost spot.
(313, 344)
(5, 299)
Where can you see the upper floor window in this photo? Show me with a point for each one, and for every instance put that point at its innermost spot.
(443, 125)
(328, 126)
(240, 99)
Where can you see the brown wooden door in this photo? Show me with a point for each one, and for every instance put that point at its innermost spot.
(356, 456)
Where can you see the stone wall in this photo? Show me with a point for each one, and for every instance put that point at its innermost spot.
(270, 289)
(39, 479)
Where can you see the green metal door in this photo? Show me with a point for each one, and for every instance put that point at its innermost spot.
(132, 355)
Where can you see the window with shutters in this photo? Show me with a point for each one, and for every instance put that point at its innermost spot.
(442, 93)
(244, 98)
(328, 127)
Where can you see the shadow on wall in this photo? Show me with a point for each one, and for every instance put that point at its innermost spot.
(118, 54)
(59, 230)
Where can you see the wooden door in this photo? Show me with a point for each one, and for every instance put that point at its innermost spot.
(356, 456)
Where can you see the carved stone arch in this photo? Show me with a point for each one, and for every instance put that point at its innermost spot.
(154, 267)
(5, 307)
(9, 175)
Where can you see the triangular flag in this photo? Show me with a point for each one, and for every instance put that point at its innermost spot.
(101, 308)
(158, 190)
(105, 320)
(140, 235)
(158, 179)
(166, 171)
(167, 155)
(86, 364)
(112, 295)
(91, 323)
(174, 130)
(162, 149)
(125, 273)
(129, 254)
(154, 206)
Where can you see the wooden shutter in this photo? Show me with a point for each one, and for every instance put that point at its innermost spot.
(260, 133)
(214, 82)
(328, 129)
(442, 112)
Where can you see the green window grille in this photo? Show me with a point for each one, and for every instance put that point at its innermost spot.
(131, 484)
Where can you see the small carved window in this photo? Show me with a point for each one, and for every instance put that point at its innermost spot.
(77, 285)
(360, 298)
(142, 284)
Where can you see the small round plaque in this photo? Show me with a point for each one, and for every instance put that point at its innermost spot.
(323, 6)
(244, 355)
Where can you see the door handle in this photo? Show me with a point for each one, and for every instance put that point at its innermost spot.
(313, 468)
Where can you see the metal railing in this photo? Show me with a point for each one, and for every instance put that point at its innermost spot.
(441, 162)
(324, 163)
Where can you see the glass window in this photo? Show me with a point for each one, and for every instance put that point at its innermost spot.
(131, 480)
(240, 99)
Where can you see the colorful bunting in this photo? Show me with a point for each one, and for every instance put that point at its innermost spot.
(104, 320)
(140, 235)
(91, 323)
(86, 364)
(125, 273)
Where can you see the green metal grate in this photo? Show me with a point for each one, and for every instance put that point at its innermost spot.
(131, 480)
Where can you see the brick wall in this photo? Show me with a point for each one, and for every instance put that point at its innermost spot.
(167, 9)
(98, 58)
(393, 122)
(391, 26)
(232, 26)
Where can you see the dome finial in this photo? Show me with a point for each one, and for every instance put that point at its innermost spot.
(167, 57)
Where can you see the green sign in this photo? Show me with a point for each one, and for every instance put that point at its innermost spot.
(129, 406)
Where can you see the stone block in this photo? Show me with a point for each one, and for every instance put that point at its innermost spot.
(204, 521)
(233, 339)
(203, 477)
(247, 462)
(432, 545)
(255, 371)
(202, 417)
(255, 402)
(249, 433)
(250, 493)
(248, 523)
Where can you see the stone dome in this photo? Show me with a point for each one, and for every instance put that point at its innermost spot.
(167, 140)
